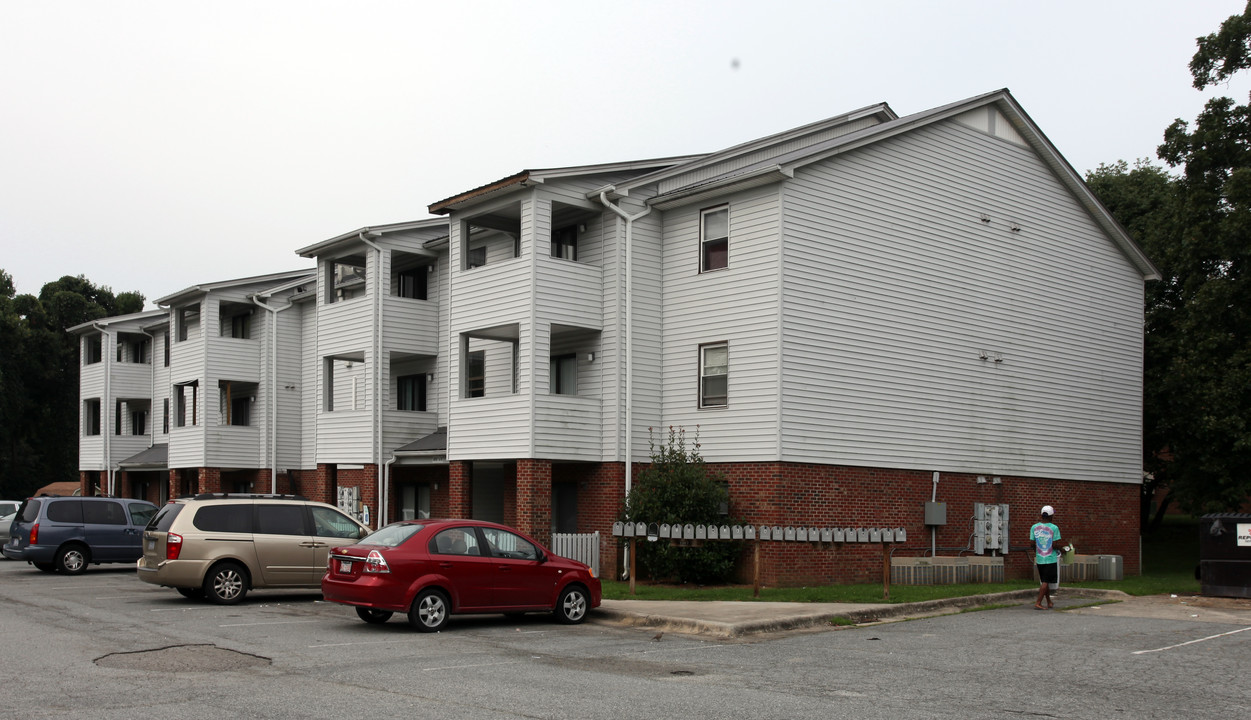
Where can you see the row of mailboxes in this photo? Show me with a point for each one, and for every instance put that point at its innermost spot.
(665, 531)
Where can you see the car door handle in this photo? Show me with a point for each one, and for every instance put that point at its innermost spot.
(504, 568)
(445, 565)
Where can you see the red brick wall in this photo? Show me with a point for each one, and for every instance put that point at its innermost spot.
(1101, 518)
(459, 497)
(533, 498)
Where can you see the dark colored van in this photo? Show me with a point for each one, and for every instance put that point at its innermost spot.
(69, 533)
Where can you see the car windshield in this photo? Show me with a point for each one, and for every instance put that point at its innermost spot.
(392, 535)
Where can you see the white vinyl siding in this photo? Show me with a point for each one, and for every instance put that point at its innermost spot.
(894, 284)
(737, 306)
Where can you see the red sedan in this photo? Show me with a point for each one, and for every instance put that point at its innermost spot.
(432, 569)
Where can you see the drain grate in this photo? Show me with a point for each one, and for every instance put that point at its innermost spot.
(182, 658)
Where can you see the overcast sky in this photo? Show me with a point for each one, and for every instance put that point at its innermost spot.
(154, 145)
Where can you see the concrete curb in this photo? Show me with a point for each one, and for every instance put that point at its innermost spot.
(700, 617)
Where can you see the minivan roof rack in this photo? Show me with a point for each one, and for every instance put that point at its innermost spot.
(247, 496)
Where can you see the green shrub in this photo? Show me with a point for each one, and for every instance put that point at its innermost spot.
(678, 488)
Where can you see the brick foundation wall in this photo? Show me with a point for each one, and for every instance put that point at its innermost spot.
(1101, 518)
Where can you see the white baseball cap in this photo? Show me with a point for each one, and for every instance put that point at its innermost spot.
(1048, 510)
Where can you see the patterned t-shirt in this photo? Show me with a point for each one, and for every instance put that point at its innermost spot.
(1044, 536)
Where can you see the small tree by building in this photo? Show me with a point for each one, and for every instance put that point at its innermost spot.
(679, 488)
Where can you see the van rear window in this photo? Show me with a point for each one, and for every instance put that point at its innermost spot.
(165, 517)
(29, 511)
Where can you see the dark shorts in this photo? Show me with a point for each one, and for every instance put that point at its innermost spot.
(1048, 572)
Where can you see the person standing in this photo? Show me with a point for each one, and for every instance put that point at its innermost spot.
(1046, 537)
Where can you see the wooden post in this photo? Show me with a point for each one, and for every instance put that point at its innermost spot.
(885, 571)
(756, 569)
(633, 554)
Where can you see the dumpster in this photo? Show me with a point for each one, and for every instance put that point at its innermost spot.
(1225, 555)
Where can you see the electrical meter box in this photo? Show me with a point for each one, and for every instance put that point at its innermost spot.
(935, 513)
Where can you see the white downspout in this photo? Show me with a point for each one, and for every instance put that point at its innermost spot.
(152, 401)
(106, 408)
(273, 390)
(382, 483)
(628, 354)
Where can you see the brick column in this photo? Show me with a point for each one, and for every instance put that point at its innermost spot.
(459, 489)
(209, 480)
(534, 498)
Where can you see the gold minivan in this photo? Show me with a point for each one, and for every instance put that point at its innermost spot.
(220, 545)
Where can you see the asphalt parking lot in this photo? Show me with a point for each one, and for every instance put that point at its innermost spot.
(105, 645)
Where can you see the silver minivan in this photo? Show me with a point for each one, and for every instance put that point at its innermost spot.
(220, 545)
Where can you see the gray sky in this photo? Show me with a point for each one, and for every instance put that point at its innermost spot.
(156, 145)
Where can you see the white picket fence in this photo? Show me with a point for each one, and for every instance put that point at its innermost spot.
(583, 547)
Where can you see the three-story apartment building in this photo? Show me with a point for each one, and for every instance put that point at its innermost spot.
(859, 315)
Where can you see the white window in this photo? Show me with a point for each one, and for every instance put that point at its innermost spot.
(714, 375)
(714, 239)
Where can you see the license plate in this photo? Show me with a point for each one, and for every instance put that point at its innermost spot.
(345, 566)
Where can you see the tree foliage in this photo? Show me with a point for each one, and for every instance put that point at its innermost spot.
(677, 487)
(39, 377)
(1196, 227)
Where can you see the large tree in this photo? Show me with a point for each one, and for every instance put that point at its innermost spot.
(39, 377)
(1198, 230)
(1146, 200)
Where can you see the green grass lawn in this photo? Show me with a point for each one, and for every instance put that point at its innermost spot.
(1169, 558)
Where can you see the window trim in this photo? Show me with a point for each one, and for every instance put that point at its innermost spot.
(705, 242)
(702, 395)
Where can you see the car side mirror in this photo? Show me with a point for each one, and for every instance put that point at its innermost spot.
(363, 532)
(542, 558)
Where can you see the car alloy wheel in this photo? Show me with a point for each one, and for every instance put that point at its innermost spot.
(572, 606)
(226, 584)
(429, 611)
(72, 560)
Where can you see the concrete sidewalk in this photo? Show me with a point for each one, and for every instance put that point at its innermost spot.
(738, 619)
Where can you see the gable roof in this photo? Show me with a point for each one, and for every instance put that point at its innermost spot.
(144, 319)
(783, 165)
(526, 178)
(371, 232)
(197, 290)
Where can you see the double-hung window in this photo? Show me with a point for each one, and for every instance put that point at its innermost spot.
(714, 375)
(714, 239)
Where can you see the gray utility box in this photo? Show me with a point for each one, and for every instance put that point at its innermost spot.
(1225, 555)
(935, 513)
(1111, 567)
